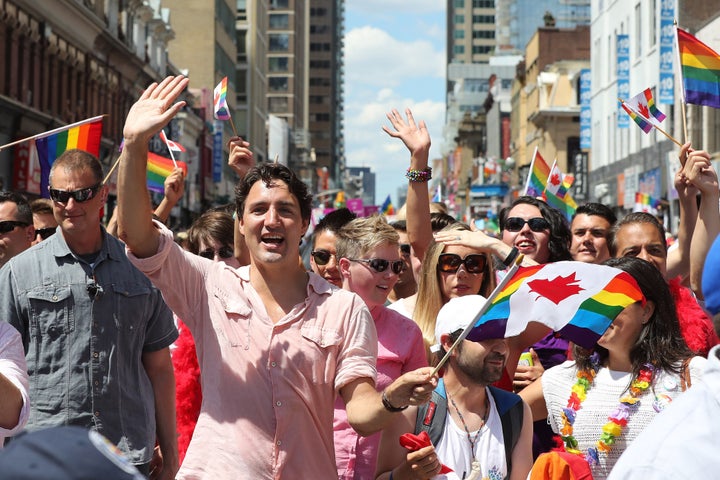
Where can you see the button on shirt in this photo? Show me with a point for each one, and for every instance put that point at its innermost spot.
(84, 350)
(268, 389)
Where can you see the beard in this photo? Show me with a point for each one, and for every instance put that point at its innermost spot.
(482, 373)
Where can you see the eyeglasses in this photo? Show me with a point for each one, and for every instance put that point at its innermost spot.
(450, 262)
(322, 257)
(223, 252)
(537, 224)
(380, 264)
(80, 196)
(45, 233)
(9, 225)
(405, 248)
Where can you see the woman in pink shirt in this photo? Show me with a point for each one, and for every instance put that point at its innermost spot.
(369, 263)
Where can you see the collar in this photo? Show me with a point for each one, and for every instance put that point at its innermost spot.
(109, 249)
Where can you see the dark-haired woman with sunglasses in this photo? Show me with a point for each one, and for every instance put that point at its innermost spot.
(369, 261)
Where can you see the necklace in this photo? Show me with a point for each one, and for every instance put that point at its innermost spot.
(617, 420)
(475, 471)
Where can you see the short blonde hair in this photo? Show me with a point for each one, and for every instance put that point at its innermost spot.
(361, 235)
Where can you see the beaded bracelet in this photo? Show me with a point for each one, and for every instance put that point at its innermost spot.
(419, 175)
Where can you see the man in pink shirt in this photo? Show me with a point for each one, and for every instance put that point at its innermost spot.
(14, 383)
(275, 343)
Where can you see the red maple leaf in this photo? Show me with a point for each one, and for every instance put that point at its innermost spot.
(643, 109)
(557, 289)
(555, 179)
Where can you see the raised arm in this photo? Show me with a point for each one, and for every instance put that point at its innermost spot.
(699, 171)
(417, 139)
(146, 117)
(678, 260)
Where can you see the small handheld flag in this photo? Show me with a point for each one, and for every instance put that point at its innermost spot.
(387, 207)
(220, 106)
(171, 144)
(158, 169)
(700, 69)
(537, 176)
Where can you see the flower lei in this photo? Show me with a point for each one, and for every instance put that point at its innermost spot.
(618, 418)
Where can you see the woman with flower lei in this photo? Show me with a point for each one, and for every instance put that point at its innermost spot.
(602, 400)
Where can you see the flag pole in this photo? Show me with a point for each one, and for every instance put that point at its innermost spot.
(112, 169)
(232, 124)
(486, 306)
(532, 163)
(172, 157)
(51, 132)
(682, 86)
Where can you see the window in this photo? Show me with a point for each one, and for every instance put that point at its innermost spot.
(458, 49)
(278, 84)
(488, 34)
(459, 34)
(319, 63)
(481, 49)
(278, 64)
(280, 21)
(483, 18)
(459, 3)
(319, 47)
(319, 29)
(638, 31)
(653, 23)
(275, 4)
(318, 12)
(279, 42)
(319, 82)
(278, 104)
(459, 19)
(483, 3)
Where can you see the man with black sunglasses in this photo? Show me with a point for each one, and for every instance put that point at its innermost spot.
(96, 332)
(43, 219)
(276, 344)
(16, 225)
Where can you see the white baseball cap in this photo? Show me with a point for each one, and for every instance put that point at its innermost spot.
(456, 315)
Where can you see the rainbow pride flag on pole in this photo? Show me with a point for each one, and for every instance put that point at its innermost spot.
(556, 191)
(158, 169)
(221, 110)
(84, 135)
(700, 70)
(537, 176)
(387, 207)
(578, 300)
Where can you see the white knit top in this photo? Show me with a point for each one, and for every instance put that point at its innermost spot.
(603, 398)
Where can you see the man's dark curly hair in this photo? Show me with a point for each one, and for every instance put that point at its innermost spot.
(269, 173)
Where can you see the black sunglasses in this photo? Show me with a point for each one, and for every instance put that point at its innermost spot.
(9, 225)
(322, 257)
(405, 248)
(223, 252)
(45, 233)
(450, 262)
(537, 224)
(80, 196)
(380, 264)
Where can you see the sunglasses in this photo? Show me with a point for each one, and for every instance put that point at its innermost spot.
(537, 224)
(405, 248)
(380, 264)
(223, 252)
(80, 196)
(45, 233)
(450, 262)
(9, 225)
(322, 257)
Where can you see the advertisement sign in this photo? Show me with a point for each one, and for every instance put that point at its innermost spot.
(666, 94)
(585, 112)
(623, 78)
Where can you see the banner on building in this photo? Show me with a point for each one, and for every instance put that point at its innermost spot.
(585, 112)
(666, 93)
(623, 80)
(631, 185)
(217, 156)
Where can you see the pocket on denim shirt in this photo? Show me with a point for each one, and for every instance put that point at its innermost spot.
(131, 307)
(51, 311)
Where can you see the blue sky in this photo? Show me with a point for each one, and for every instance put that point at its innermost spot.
(394, 58)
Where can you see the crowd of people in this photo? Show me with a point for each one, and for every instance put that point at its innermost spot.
(225, 356)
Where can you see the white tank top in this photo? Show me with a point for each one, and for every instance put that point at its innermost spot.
(454, 448)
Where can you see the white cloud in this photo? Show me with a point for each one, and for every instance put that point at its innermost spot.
(374, 57)
(396, 7)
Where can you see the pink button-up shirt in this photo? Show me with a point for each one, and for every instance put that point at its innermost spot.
(400, 349)
(268, 389)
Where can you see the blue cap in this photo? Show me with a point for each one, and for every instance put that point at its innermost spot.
(64, 453)
(711, 278)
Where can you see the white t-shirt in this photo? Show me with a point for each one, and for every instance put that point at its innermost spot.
(453, 449)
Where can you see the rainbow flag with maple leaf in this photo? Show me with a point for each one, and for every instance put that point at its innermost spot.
(643, 111)
(537, 176)
(556, 191)
(578, 300)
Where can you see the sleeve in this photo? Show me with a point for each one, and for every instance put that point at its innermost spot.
(14, 368)
(358, 352)
(160, 331)
(418, 355)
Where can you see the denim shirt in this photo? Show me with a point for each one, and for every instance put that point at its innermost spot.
(84, 329)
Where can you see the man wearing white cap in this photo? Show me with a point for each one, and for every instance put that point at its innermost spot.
(478, 431)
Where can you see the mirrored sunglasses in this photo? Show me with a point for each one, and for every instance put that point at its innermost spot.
(80, 196)
(450, 263)
(223, 252)
(380, 264)
(537, 224)
(322, 257)
(9, 225)
(45, 233)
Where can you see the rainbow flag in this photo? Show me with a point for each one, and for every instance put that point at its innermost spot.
(641, 122)
(221, 110)
(387, 207)
(700, 69)
(646, 203)
(578, 300)
(158, 169)
(556, 191)
(85, 135)
(538, 176)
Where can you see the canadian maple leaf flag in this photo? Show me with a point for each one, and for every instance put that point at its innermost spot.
(578, 300)
(644, 104)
